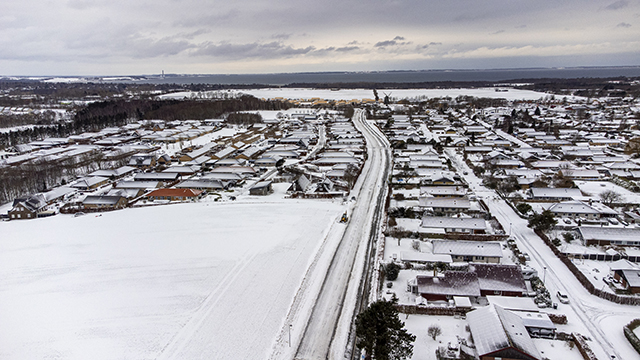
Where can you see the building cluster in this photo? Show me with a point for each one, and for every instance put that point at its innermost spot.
(319, 153)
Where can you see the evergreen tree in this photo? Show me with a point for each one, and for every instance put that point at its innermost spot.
(381, 333)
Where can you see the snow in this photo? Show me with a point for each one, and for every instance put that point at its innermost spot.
(424, 348)
(348, 94)
(556, 349)
(594, 188)
(176, 281)
(172, 149)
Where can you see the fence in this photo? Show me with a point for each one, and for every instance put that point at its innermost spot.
(626, 300)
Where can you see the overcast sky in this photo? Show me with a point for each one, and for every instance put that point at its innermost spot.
(129, 37)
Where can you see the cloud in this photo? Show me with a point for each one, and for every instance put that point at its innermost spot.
(398, 40)
(617, 5)
(623, 25)
(281, 36)
(347, 48)
(270, 50)
(497, 32)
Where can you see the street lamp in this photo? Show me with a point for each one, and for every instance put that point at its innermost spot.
(544, 275)
(290, 334)
(510, 229)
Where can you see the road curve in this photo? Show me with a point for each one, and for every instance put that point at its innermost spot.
(320, 331)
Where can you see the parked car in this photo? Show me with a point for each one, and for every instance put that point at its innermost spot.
(79, 213)
(562, 297)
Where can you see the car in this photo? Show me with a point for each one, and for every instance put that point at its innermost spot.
(562, 297)
(79, 213)
(566, 221)
(465, 173)
(613, 221)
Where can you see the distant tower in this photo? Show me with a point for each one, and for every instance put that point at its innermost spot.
(163, 74)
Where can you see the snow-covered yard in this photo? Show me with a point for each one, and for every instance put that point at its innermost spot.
(595, 188)
(213, 280)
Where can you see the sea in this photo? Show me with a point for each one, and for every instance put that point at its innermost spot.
(494, 75)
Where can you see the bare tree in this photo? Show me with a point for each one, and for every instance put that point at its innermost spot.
(609, 197)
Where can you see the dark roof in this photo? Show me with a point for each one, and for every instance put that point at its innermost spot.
(458, 283)
(499, 277)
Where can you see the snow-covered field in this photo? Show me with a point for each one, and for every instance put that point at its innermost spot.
(359, 94)
(348, 94)
(201, 280)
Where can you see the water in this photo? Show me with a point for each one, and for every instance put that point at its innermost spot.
(399, 76)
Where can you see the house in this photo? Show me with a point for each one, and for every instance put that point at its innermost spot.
(447, 205)
(440, 224)
(142, 161)
(90, 183)
(261, 188)
(499, 279)
(554, 194)
(443, 191)
(105, 202)
(500, 334)
(424, 258)
(203, 184)
(627, 273)
(469, 251)
(27, 208)
(446, 285)
(596, 235)
(579, 209)
(174, 194)
(166, 178)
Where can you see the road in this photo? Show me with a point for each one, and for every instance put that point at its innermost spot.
(601, 320)
(322, 338)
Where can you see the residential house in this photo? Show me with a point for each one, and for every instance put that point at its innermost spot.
(174, 194)
(500, 334)
(261, 188)
(597, 235)
(554, 194)
(442, 224)
(469, 251)
(27, 208)
(104, 202)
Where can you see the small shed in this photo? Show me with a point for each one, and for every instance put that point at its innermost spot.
(261, 188)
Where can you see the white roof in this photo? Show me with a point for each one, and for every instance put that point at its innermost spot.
(424, 257)
(612, 234)
(453, 223)
(448, 202)
(467, 248)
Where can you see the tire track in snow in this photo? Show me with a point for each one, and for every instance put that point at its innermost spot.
(187, 332)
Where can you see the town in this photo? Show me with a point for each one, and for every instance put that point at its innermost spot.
(506, 227)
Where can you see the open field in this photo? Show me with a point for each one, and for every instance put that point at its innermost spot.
(159, 282)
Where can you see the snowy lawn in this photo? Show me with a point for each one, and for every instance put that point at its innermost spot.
(200, 280)
(424, 348)
(594, 188)
(556, 349)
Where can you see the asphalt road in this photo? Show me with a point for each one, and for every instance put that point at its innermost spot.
(319, 340)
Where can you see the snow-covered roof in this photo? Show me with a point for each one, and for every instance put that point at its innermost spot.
(609, 234)
(415, 256)
(467, 248)
(446, 202)
(494, 328)
(453, 223)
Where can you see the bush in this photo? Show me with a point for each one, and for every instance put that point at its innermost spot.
(631, 336)
(392, 270)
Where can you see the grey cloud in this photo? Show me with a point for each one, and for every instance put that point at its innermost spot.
(623, 25)
(348, 48)
(252, 50)
(398, 40)
(497, 32)
(617, 5)
(281, 36)
(435, 43)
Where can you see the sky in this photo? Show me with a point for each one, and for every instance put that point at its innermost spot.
(133, 37)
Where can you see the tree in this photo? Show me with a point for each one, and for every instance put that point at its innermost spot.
(523, 208)
(381, 333)
(392, 270)
(609, 197)
(434, 331)
(543, 221)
